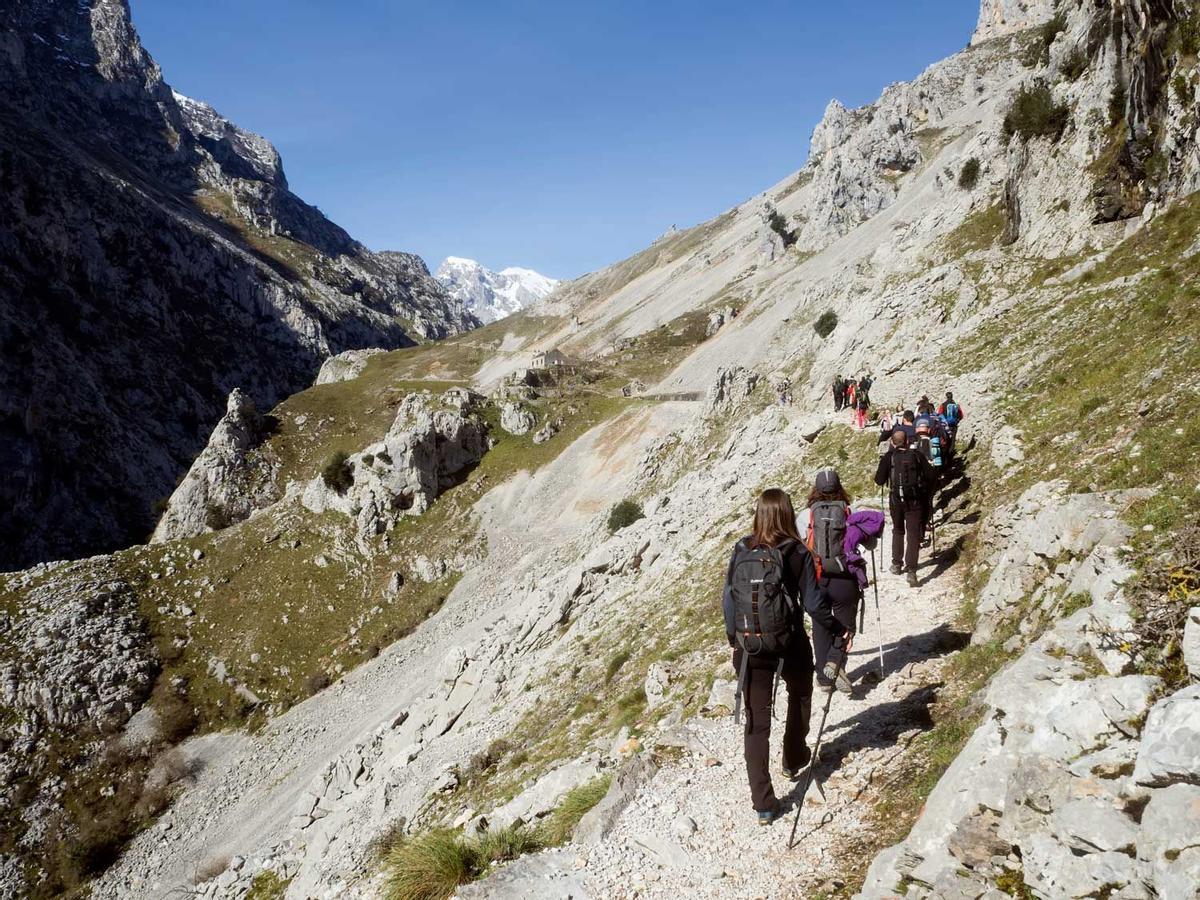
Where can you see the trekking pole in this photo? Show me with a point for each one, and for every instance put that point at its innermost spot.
(878, 617)
(812, 763)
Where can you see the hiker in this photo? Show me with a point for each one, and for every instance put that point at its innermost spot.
(833, 535)
(770, 577)
(860, 410)
(864, 386)
(952, 413)
(907, 425)
(839, 393)
(885, 426)
(929, 442)
(924, 406)
(912, 481)
(851, 387)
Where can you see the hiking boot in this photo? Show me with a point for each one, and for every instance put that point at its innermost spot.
(825, 687)
(794, 774)
(896, 569)
(767, 816)
(843, 682)
(912, 579)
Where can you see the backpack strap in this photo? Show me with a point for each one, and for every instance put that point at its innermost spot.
(741, 687)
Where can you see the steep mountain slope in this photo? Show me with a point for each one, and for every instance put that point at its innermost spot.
(492, 295)
(152, 259)
(1018, 224)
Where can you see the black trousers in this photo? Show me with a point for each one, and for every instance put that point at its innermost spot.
(908, 528)
(797, 678)
(846, 596)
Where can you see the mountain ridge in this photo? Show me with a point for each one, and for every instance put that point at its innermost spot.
(491, 295)
(154, 260)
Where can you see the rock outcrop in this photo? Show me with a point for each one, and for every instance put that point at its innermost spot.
(224, 485)
(152, 258)
(346, 366)
(431, 445)
(516, 418)
(998, 18)
(1056, 786)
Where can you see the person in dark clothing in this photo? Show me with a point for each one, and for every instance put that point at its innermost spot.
(908, 425)
(843, 589)
(775, 527)
(864, 386)
(839, 393)
(924, 406)
(911, 479)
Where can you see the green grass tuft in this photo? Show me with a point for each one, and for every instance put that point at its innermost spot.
(560, 825)
(432, 865)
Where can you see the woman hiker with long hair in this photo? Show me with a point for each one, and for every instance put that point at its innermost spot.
(845, 580)
(770, 579)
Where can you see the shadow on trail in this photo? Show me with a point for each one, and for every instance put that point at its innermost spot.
(942, 560)
(875, 727)
(898, 654)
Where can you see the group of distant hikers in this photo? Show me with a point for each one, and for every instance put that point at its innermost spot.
(814, 563)
(854, 395)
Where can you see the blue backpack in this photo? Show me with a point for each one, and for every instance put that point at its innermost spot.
(951, 414)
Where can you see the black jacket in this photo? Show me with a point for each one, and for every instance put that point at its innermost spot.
(883, 474)
(800, 582)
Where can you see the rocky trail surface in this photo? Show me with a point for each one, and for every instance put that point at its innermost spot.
(689, 830)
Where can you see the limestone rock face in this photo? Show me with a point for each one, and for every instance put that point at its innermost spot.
(516, 418)
(86, 657)
(1000, 17)
(731, 386)
(143, 283)
(430, 446)
(1171, 742)
(345, 366)
(223, 485)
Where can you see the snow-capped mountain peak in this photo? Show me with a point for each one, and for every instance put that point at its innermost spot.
(492, 295)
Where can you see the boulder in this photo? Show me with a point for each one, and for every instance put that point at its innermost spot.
(1170, 749)
(548, 430)
(550, 875)
(345, 366)
(516, 418)
(658, 681)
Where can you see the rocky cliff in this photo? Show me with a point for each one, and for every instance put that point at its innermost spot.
(394, 658)
(152, 259)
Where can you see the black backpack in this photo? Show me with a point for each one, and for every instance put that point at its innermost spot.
(827, 536)
(906, 477)
(758, 611)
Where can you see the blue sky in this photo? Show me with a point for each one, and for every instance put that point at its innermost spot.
(559, 136)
